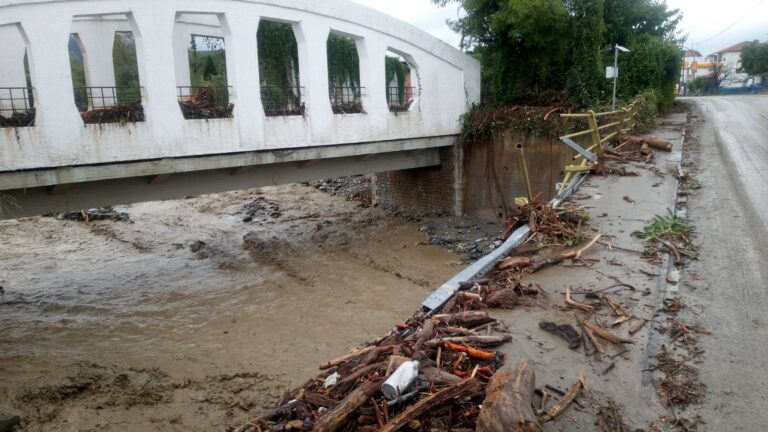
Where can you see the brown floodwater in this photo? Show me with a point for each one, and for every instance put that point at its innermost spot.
(187, 318)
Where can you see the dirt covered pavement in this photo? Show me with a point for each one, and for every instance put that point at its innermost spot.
(196, 312)
(727, 286)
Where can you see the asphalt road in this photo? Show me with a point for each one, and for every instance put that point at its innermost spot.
(727, 289)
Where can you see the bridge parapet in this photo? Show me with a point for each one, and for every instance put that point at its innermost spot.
(448, 80)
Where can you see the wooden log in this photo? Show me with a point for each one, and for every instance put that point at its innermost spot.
(508, 401)
(652, 142)
(336, 417)
(514, 261)
(605, 334)
(319, 400)
(481, 341)
(464, 387)
(342, 386)
(346, 358)
(559, 407)
(574, 304)
(637, 326)
(373, 356)
(465, 319)
(425, 334)
(436, 376)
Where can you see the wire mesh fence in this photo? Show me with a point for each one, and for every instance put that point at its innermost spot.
(282, 101)
(17, 107)
(205, 102)
(347, 100)
(99, 105)
(399, 99)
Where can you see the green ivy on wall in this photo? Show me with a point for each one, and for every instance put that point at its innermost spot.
(343, 61)
(278, 55)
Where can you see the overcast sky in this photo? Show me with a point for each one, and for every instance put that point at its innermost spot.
(710, 24)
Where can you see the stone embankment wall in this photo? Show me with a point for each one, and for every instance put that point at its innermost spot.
(477, 180)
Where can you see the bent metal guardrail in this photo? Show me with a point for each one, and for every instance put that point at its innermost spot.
(624, 121)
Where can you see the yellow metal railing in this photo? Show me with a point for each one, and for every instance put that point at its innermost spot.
(615, 123)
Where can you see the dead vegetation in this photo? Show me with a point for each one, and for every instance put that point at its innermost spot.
(19, 119)
(205, 103)
(122, 113)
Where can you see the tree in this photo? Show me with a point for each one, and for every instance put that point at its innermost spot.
(720, 74)
(209, 69)
(754, 60)
(541, 51)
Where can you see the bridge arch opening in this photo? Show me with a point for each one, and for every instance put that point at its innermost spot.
(202, 83)
(281, 89)
(345, 87)
(105, 69)
(17, 99)
(402, 80)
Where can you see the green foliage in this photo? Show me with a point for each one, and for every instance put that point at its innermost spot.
(278, 54)
(754, 60)
(652, 64)
(396, 68)
(663, 227)
(647, 104)
(343, 61)
(545, 51)
(126, 67)
(208, 68)
(585, 81)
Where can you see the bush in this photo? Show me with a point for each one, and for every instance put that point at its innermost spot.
(648, 104)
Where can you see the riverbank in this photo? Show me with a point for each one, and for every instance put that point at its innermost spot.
(196, 312)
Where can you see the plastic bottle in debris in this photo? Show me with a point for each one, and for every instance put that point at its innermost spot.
(400, 380)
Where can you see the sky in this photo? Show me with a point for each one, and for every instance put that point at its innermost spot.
(710, 24)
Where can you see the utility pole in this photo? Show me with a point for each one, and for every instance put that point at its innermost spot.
(616, 72)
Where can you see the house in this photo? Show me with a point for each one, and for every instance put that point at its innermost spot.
(730, 58)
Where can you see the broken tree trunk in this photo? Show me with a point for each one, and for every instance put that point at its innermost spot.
(603, 333)
(480, 341)
(508, 402)
(651, 142)
(559, 407)
(465, 319)
(336, 417)
(467, 386)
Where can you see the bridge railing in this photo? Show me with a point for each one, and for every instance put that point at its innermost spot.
(400, 99)
(205, 102)
(603, 127)
(100, 105)
(282, 101)
(346, 99)
(17, 106)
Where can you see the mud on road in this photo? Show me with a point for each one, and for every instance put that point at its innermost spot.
(187, 317)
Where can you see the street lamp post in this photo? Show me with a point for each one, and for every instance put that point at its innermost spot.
(616, 72)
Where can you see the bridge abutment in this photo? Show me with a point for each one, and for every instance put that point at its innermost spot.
(419, 191)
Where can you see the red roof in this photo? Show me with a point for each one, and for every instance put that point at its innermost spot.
(691, 53)
(733, 48)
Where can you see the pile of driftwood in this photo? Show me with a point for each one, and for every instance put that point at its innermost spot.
(632, 149)
(121, 113)
(19, 119)
(205, 103)
(436, 372)
(555, 226)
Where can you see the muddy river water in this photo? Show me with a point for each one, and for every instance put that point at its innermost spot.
(186, 317)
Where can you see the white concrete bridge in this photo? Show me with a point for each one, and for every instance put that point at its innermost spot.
(54, 160)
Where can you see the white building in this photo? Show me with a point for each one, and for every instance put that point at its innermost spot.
(730, 58)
